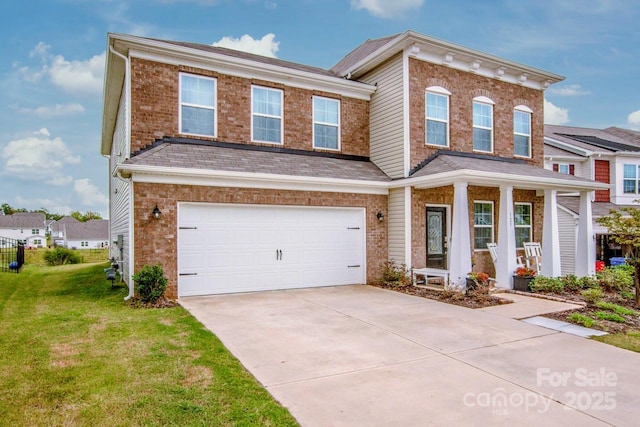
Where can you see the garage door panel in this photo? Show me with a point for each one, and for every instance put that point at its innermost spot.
(236, 248)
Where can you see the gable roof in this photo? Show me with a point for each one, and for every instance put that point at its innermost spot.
(94, 229)
(23, 220)
(59, 225)
(360, 53)
(586, 141)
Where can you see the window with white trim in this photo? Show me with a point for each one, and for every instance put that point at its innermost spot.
(521, 132)
(482, 224)
(198, 105)
(437, 117)
(37, 241)
(35, 231)
(523, 218)
(326, 123)
(630, 183)
(266, 115)
(564, 168)
(483, 125)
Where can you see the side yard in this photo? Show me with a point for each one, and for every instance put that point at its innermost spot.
(73, 353)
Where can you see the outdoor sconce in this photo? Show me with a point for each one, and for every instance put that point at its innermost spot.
(380, 216)
(156, 212)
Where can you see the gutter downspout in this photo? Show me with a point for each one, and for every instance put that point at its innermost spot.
(126, 82)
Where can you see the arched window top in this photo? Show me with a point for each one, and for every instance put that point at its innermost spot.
(523, 108)
(438, 89)
(484, 99)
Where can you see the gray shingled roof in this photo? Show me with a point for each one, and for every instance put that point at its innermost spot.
(612, 134)
(94, 229)
(361, 52)
(22, 220)
(598, 209)
(246, 158)
(550, 151)
(454, 161)
(59, 225)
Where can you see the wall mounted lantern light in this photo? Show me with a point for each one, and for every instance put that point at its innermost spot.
(380, 216)
(156, 212)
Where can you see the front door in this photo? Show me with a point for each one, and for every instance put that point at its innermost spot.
(436, 237)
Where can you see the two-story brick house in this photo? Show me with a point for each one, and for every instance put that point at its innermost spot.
(240, 172)
(610, 156)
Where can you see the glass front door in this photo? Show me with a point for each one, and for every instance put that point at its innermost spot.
(436, 237)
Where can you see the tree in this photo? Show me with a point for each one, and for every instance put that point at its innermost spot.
(9, 210)
(625, 230)
(84, 217)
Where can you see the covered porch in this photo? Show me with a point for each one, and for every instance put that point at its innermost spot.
(457, 184)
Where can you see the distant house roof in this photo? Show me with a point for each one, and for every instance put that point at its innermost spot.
(23, 220)
(59, 225)
(94, 229)
(607, 141)
(598, 209)
(204, 155)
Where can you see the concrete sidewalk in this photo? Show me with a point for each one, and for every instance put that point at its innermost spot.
(357, 355)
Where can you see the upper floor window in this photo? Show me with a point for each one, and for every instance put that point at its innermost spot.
(482, 224)
(197, 105)
(266, 115)
(523, 223)
(483, 124)
(437, 116)
(35, 231)
(631, 178)
(522, 131)
(326, 123)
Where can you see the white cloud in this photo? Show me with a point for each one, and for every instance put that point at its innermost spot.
(57, 110)
(555, 115)
(266, 46)
(568, 90)
(88, 193)
(387, 8)
(84, 76)
(53, 206)
(38, 158)
(634, 120)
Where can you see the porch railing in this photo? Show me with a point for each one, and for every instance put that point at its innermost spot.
(11, 255)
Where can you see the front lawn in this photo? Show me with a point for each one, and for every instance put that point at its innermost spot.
(72, 353)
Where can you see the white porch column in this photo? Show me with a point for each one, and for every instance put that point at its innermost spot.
(586, 249)
(460, 248)
(550, 236)
(506, 239)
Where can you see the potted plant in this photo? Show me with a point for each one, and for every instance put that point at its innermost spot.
(522, 277)
(475, 279)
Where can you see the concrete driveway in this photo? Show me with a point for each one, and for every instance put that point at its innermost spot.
(359, 355)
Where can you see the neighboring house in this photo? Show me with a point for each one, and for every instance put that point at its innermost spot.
(25, 226)
(266, 174)
(58, 230)
(610, 156)
(92, 234)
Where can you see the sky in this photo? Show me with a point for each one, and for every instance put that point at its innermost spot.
(52, 65)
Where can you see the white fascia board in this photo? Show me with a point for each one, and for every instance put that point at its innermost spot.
(205, 177)
(181, 55)
(568, 147)
(434, 50)
(492, 179)
(114, 75)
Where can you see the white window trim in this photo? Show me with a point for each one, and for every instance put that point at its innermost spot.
(522, 110)
(530, 226)
(636, 178)
(205, 107)
(281, 116)
(567, 165)
(486, 101)
(436, 90)
(313, 128)
(493, 223)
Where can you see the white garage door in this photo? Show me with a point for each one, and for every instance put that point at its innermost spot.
(240, 248)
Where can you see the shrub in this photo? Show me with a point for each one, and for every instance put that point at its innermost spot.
(571, 283)
(588, 282)
(581, 319)
(592, 295)
(150, 282)
(547, 284)
(615, 278)
(604, 315)
(395, 275)
(61, 256)
(618, 309)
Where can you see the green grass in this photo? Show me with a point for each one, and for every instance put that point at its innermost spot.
(605, 315)
(72, 353)
(629, 340)
(623, 311)
(36, 256)
(581, 319)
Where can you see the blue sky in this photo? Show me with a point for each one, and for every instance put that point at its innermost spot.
(52, 64)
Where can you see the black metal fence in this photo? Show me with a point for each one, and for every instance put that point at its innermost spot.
(11, 255)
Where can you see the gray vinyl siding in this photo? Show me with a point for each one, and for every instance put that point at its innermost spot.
(567, 235)
(120, 190)
(396, 224)
(387, 117)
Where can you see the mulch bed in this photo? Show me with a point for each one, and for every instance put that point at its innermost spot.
(477, 299)
(161, 302)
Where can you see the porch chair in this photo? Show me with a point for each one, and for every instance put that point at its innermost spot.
(533, 255)
(493, 250)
